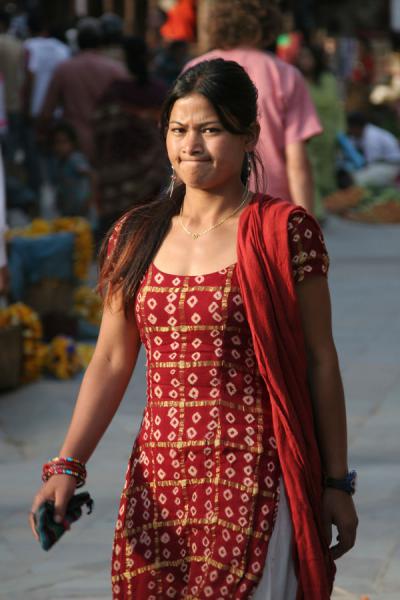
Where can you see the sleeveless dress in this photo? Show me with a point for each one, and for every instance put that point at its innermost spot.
(202, 486)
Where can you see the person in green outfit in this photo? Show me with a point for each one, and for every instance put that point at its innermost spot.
(322, 149)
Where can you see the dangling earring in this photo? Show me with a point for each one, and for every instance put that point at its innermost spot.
(172, 182)
(248, 171)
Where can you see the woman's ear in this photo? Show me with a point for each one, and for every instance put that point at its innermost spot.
(252, 137)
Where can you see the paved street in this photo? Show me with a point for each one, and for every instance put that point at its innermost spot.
(365, 284)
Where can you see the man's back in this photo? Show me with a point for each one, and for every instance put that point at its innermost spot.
(77, 85)
(286, 112)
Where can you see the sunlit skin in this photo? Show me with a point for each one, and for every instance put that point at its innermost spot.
(205, 156)
(208, 159)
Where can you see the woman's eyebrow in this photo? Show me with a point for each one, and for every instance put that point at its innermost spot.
(201, 124)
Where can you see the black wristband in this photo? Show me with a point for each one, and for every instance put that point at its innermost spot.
(347, 484)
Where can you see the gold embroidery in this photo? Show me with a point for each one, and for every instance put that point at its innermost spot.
(248, 531)
(176, 563)
(190, 364)
(255, 449)
(188, 289)
(187, 328)
(224, 403)
(204, 480)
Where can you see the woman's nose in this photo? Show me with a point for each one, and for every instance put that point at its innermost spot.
(193, 143)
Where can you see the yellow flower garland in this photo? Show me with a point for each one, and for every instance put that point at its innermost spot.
(62, 358)
(83, 252)
(33, 348)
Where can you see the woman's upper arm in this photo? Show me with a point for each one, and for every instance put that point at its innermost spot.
(315, 310)
(119, 339)
(310, 263)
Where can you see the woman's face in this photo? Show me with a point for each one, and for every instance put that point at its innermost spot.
(203, 154)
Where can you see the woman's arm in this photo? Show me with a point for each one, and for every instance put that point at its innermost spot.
(104, 383)
(329, 406)
(100, 394)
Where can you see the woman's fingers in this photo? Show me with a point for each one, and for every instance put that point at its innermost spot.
(339, 511)
(32, 523)
(345, 543)
(346, 537)
(61, 502)
(59, 490)
(37, 501)
(64, 490)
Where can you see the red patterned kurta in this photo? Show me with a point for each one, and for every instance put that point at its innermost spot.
(201, 491)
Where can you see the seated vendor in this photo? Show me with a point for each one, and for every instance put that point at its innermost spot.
(378, 149)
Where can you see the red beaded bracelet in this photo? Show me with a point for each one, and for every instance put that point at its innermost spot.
(65, 466)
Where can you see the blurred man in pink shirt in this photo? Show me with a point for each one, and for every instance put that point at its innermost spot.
(286, 113)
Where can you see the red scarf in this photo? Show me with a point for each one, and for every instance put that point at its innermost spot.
(268, 290)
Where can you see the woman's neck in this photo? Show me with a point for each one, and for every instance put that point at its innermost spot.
(203, 206)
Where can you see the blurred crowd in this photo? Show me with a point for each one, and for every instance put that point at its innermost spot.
(79, 108)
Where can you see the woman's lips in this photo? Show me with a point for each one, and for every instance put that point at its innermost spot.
(194, 160)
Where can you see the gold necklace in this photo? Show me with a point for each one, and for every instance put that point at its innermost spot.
(195, 236)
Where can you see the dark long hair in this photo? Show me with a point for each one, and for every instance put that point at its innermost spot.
(233, 95)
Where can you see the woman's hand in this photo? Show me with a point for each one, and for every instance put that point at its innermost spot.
(339, 510)
(58, 489)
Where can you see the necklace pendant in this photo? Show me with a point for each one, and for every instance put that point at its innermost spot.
(195, 236)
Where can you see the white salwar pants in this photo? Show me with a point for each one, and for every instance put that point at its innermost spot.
(279, 580)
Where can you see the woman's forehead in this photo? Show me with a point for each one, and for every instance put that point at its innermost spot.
(194, 107)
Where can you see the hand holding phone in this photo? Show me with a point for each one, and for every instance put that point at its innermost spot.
(48, 530)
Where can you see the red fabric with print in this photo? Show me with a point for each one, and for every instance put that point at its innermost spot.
(200, 495)
(267, 286)
(201, 490)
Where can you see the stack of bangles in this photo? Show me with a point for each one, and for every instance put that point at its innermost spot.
(65, 466)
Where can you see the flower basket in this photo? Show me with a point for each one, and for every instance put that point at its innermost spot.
(11, 349)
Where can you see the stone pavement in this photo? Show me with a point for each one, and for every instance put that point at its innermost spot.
(365, 284)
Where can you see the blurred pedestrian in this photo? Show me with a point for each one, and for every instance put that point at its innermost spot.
(288, 118)
(111, 36)
(227, 291)
(170, 60)
(12, 69)
(71, 172)
(79, 82)
(131, 163)
(44, 54)
(323, 148)
(379, 150)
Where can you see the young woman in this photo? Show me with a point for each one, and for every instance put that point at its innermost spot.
(227, 291)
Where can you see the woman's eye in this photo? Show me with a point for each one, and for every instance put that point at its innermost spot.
(211, 130)
(177, 130)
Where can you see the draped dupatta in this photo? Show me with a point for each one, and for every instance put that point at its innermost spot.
(268, 290)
